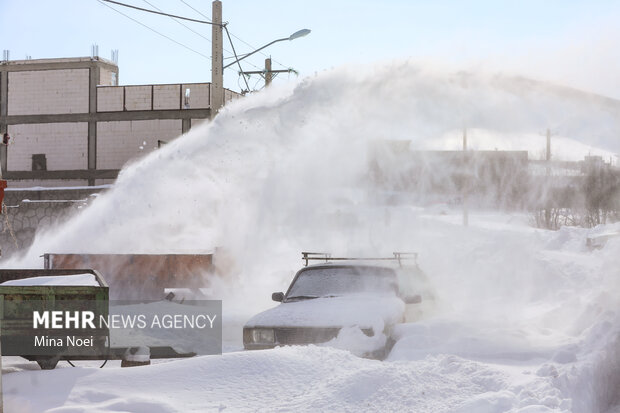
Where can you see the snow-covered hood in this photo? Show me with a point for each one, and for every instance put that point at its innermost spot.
(364, 311)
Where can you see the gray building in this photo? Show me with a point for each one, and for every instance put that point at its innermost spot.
(71, 124)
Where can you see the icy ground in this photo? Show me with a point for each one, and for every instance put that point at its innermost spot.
(541, 336)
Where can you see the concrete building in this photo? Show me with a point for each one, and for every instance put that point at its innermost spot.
(72, 125)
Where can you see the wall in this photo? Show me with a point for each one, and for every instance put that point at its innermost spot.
(30, 210)
(137, 97)
(48, 183)
(199, 95)
(107, 77)
(166, 97)
(155, 97)
(64, 144)
(119, 141)
(72, 111)
(48, 92)
(109, 99)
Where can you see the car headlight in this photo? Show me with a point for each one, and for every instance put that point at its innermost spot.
(262, 336)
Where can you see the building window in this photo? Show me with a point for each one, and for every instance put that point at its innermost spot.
(39, 162)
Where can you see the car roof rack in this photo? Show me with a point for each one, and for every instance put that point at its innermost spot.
(327, 257)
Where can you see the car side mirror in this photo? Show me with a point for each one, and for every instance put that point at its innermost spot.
(413, 299)
(279, 297)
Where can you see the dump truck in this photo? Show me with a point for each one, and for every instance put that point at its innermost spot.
(140, 276)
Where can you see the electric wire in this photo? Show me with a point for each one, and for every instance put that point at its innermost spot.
(223, 25)
(172, 16)
(162, 13)
(153, 30)
(186, 26)
(232, 34)
(238, 62)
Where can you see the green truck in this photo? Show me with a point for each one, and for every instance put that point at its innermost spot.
(28, 293)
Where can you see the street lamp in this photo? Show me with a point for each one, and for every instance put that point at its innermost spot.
(217, 67)
(296, 35)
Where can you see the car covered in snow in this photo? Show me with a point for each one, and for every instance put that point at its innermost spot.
(350, 303)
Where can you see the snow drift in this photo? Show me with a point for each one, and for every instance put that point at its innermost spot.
(528, 320)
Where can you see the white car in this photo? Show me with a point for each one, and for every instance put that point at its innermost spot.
(325, 300)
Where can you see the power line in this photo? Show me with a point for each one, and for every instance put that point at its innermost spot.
(184, 25)
(172, 16)
(151, 29)
(194, 31)
(238, 62)
(232, 34)
(162, 13)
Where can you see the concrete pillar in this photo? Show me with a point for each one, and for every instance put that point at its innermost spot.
(4, 105)
(268, 74)
(4, 93)
(92, 124)
(217, 59)
(186, 125)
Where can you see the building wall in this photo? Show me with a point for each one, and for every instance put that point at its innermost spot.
(31, 210)
(107, 78)
(64, 144)
(199, 95)
(42, 92)
(137, 97)
(166, 97)
(99, 182)
(229, 95)
(86, 144)
(109, 99)
(48, 183)
(154, 97)
(119, 141)
(197, 122)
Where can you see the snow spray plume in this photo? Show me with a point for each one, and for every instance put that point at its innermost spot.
(295, 168)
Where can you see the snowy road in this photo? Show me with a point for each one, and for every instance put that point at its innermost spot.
(551, 346)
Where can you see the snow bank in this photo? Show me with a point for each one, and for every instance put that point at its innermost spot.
(361, 310)
(74, 280)
(285, 379)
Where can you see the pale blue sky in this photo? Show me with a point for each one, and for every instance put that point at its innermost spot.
(568, 42)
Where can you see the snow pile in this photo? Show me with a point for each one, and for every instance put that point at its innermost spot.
(285, 379)
(55, 280)
(363, 310)
(525, 320)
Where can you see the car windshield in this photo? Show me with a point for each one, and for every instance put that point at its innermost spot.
(336, 281)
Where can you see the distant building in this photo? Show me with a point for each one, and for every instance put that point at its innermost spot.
(72, 125)
(497, 178)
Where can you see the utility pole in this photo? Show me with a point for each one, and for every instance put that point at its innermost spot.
(548, 145)
(548, 183)
(465, 180)
(464, 139)
(217, 59)
(268, 73)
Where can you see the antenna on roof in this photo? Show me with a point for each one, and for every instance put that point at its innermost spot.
(94, 51)
(5, 55)
(114, 56)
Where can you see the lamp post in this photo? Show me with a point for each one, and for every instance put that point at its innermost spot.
(268, 73)
(217, 58)
(296, 35)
